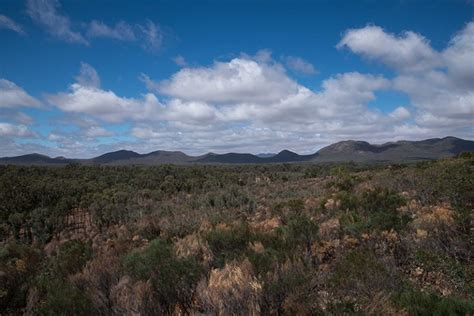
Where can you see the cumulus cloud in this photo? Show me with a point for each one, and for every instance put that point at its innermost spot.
(408, 52)
(86, 97)
(240, 80)
(45, 13)
(458, 57)
(300, 65)
(12, 96)
(9, 24)
(105, 104)
(440, 84)
(251, 103)
(400, 113)
(11, 130)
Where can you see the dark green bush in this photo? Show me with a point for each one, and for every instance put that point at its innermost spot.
(71, 257)
(60, 297)
(174, 279)
(417, 303)
(228, 243)
(360, 274)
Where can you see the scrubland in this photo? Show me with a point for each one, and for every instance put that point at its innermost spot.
(238, 240)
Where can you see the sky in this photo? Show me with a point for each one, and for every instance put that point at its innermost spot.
(81, 78)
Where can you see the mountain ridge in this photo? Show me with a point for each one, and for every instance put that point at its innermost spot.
(348, 150)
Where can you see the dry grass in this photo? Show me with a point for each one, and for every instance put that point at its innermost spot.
(232, 290)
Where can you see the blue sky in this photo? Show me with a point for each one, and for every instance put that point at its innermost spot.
(79, 78)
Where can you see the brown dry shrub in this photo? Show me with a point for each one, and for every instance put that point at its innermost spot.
(332, 204)
(133, 298)
(433, 217)
(232, 290)
(326, 251)
(381, 304)
(435, 227)
(193, 246)
(329, 229)
(257, 247)
(267, 225)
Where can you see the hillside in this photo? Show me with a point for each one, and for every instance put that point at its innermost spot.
(344, 151)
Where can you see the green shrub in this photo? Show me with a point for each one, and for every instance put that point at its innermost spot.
(60, 297)
(419, 304)
(438, 262)
(353, 223)
(174, 279)
(228, 243)
(71, 257)
(360, 274)
(302, 232)
(18, 265)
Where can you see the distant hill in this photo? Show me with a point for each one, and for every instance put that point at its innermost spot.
(350, 150)
(34, 159)
(115, 156)
(429, 149)
(265, 155)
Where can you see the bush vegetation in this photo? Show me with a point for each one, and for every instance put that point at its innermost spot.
(240, 240)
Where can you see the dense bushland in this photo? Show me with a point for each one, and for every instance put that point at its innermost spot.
(240, 240)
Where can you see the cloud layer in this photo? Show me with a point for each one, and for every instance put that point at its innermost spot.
(252, 103)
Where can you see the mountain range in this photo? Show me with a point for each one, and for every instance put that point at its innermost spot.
(350, 150)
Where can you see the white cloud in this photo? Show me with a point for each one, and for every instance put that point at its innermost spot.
(180, 60)
(400, 113)
(240, 80)
(9, 24)
(300, 65)
(440, 84)
(408, 52)
(88, 76)
(97, 131)
(12, 96)
(458, 57)
(45, 13)
(251, 104)
(121, 31)
(190, 112)
(86, 97)
(11, 130)
(106, 105)
(152, 35)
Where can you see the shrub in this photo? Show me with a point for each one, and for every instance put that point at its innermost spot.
(359, 274)
(232, 290)
(228, 243)
(301, 233)
(72, 257)
(288, 290)
(18, 264)
(419, 304)
(60, 297)
(174, 279)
